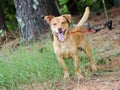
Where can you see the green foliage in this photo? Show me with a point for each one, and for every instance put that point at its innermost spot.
(95, 5)
(9, 11)
(2, 33)
(88, 2)
(63, 2)
(63, 6)
(64, 9)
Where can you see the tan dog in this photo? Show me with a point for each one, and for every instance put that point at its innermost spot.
(66, 44)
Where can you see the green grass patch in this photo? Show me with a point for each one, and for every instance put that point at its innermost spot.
(27, 65)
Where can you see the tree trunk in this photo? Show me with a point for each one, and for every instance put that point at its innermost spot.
(30, 14)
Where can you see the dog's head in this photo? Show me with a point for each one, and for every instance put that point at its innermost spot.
(59, 25)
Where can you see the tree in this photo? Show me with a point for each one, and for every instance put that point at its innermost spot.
(30, 14)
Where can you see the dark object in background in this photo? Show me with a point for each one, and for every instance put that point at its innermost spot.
(99, 27)
(2, 19)
(108, 24)
(117, 3)
(96, 28)
(98, 13)
(72, 7)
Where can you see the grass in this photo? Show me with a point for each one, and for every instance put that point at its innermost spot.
(27, 65)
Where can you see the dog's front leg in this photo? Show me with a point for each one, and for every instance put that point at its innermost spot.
(62, 63)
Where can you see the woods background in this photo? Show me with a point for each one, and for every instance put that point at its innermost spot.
(26, 16)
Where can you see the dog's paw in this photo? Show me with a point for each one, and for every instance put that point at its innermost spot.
(94, 67)
(66, 75)
(80, 77)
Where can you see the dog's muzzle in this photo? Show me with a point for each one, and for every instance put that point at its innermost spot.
(61, 34)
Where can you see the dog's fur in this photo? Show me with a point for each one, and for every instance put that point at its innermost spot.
(66, 44)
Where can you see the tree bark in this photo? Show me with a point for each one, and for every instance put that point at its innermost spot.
(30, 14)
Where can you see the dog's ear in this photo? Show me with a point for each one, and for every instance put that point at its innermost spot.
(68, 17)
(48, 19)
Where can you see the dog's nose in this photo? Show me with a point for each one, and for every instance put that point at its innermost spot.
(60, 30)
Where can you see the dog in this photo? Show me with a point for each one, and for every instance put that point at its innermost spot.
(66, 43)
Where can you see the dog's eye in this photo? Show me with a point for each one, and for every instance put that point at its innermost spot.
(54, 24)
(63, 22)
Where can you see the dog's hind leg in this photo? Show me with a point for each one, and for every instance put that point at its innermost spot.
(88, 53)
(62, 63)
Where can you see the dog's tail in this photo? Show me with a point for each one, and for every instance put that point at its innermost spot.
(84, 18)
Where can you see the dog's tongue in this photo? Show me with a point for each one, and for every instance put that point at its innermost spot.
(61, 36)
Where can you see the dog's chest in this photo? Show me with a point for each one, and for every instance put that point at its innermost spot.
(65, 50)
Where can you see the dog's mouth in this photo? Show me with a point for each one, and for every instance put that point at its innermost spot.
(61, 35)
